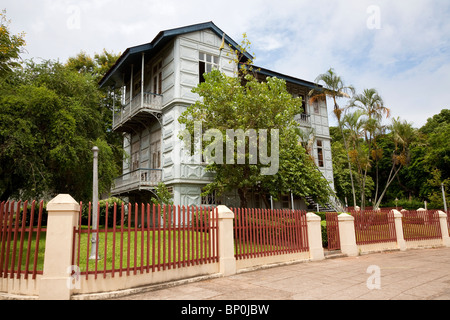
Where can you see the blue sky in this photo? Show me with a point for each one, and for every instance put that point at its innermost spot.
(401, 48)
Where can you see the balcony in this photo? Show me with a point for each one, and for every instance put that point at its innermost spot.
(133, 112)
(303, 119)
(137, 180)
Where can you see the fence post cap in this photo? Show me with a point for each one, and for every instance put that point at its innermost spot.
(345, 217)
(442, 214)
(311, 216)
(63, 202)
(397, 214)
(225, 212)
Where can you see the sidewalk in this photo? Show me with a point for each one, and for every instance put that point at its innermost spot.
(420, 274)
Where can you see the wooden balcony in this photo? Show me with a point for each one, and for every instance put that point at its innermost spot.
(140, 179)
(303, 120)
(135, 111)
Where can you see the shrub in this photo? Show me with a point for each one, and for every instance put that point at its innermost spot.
(102, 211)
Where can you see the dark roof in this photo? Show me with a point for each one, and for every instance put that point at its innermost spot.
(270, 73)
(132, 55)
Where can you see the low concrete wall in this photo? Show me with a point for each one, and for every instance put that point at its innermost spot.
(242, 264)
(21, 288)
(108, 283)
(377, 247)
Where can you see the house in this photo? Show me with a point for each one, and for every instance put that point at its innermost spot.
(156, 80)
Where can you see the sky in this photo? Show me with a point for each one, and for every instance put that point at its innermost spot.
(401, 48)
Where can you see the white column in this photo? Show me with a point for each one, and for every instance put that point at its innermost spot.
(444, 228)
(56, 280)
(227, 261)
(142, 80)
(314, 237)
(401, 243)
(347, 235)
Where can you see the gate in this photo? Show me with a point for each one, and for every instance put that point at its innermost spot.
(334, 242)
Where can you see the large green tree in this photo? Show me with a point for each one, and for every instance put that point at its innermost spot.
(11, 46)
(368, 117)
(248, 104)
(50, 118)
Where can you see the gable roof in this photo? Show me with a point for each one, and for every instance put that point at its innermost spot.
(301, 82)
(132, 55)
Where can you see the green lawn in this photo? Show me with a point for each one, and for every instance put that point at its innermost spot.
(152, 253)
(23, 258)
(134, 257)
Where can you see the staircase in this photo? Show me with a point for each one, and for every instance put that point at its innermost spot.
(312, 205)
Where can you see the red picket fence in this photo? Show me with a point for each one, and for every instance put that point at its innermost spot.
(21, 239)
(334, 242)
(374, 227)
(448, 221)
(146, 238)
(265, 232)
(421, 225)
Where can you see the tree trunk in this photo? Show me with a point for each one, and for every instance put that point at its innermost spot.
(349, 164)
(243, 197)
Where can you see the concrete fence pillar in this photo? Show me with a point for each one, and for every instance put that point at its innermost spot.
(347, 235)
(227, 260)
(55, 282)
(401, 243)
(444, 228)
(314, 237)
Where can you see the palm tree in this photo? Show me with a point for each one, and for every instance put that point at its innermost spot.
(333, 87)
(403, 134)
(372, 105)
(355, 124)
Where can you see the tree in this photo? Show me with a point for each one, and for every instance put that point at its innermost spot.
(11, 46)
(371, 106)
(96, 67)
(335, 88)
(50, 118)
(403, 134)
(245, 104)
(163, 196)
(371, 103)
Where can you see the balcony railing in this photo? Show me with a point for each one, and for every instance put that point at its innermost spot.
(303, 119)
(147, 101)
(137, 179)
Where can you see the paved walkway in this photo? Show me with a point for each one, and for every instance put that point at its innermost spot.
(420, 274)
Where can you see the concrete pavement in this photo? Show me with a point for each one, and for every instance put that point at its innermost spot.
(419, 274)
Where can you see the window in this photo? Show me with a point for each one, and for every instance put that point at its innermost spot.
(285, 202)
(206, 63)
(209, 199)
(156, 154)
(157, 78)
(316, 107)
(303, 104)
(320, 153)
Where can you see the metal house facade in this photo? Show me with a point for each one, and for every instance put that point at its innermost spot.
(156, 80)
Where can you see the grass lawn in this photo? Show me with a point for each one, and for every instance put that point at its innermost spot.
(23, 258)
(149, 255)
(146, 248)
